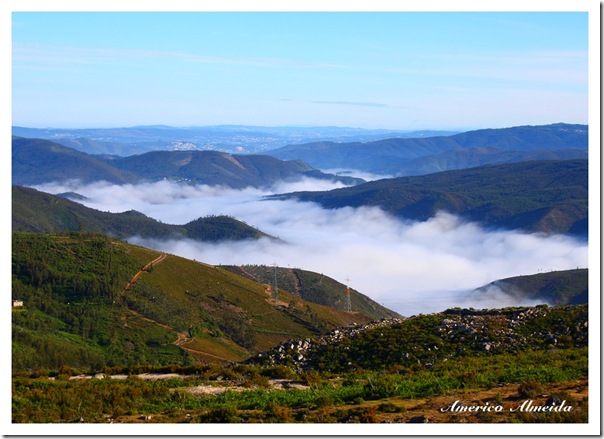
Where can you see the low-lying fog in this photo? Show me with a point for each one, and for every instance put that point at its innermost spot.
(410, 267)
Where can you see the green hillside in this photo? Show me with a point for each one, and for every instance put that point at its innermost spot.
(314, 287)
(91, 302)
(556, 287)
(36, 161)
(543, 196)
(37, 211)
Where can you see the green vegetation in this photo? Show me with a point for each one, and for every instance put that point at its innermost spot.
(70, 286)
(427, 341)
(543, 195)
(81, 310)
(83, 313)
(359, 396)
(37, 211)
(556, 287)
(313, 287)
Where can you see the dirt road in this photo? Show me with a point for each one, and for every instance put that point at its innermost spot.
(146, 268)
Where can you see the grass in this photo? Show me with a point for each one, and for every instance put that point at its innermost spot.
(346, 397)
(76, 307)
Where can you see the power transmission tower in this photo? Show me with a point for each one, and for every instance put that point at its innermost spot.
(348, 305)
(275, 289)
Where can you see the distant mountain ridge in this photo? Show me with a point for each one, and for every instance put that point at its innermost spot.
(125, 141)
(36, 161)
(417, 156)
(547, 196)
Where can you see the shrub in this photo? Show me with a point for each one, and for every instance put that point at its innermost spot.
(279, 372)
(311, 378)
(227, 414)
(279, 413)
(383, 386)
(530, 388)
(388, 407)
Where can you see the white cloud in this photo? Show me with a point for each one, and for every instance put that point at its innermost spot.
(410, 267)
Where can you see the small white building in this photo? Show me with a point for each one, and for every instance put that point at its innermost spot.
(17, 303)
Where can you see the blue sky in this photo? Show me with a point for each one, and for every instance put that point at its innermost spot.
(397, 70)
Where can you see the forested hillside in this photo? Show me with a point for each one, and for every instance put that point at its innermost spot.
(90, 302)
(555, 287)
(37, 161)
(539, 196)
(37, 211)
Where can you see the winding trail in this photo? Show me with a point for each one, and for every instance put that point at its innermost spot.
(181, 337)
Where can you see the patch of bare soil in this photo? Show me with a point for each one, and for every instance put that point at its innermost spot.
(277, 384)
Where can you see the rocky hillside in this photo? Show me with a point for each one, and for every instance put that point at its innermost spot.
(425, 340)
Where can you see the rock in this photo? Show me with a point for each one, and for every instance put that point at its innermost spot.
(418, 420)
(553, 400)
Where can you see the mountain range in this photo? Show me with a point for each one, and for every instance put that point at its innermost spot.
(37, 161)
(548, 196)
(90, 302)
(127, 141)
(417, 156)
(93, 300)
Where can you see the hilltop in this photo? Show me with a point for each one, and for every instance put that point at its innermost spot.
(40, 212)
(555, 287)
(429, 341)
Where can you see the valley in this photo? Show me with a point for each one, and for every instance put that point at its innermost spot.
(310, 219)
(210, 287)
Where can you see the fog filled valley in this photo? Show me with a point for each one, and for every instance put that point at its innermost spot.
(210, 287)
(255, 221)
(410, 267)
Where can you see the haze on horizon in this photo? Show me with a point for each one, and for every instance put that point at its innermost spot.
(392, 70)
